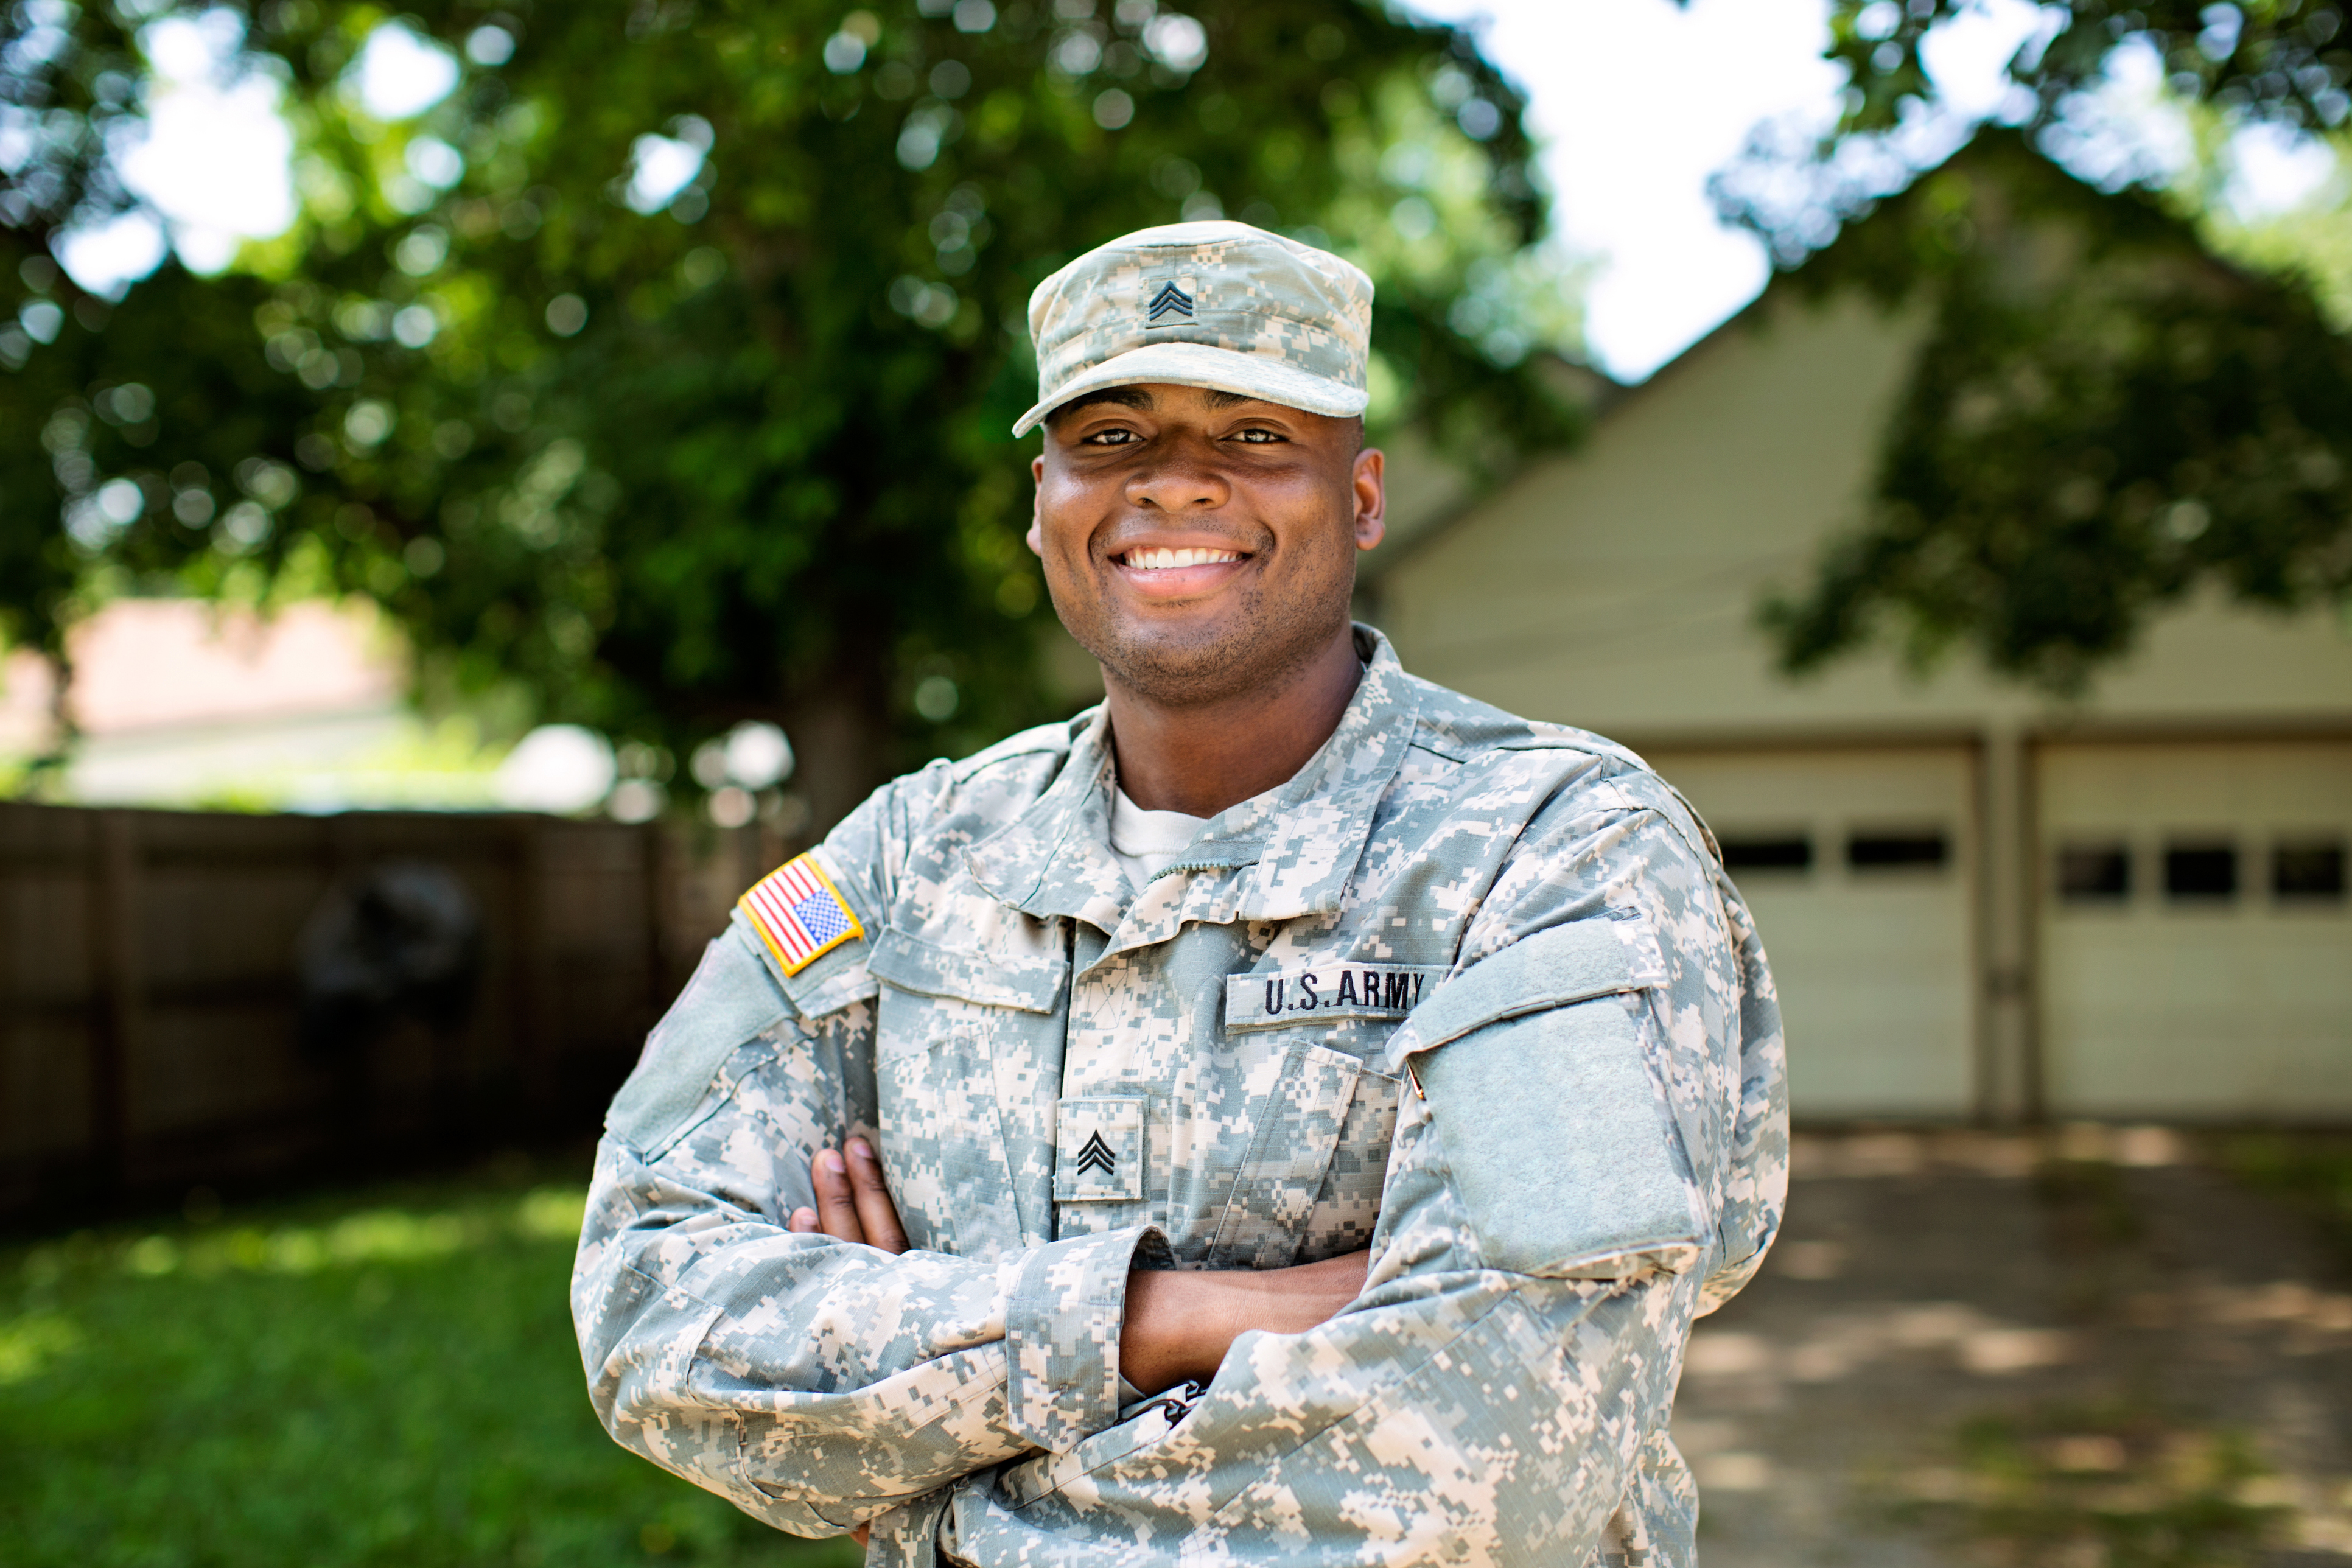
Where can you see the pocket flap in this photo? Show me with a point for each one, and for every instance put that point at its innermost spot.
(1029, 981)
(1571, 963)
(1289, 1159)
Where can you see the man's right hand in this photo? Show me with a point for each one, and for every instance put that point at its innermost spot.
(1181, 1323)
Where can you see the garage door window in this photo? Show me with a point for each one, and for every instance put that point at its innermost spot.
(2307, 871)
(1914, 851)
(2095, 873)
(1776, 852)
(2203, 872)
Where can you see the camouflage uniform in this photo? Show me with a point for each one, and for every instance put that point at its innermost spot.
(1470, 991)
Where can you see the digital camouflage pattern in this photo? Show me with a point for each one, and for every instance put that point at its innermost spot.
(1215, 304)
(1468, 990)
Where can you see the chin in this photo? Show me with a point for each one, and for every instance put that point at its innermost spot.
(1196, 665)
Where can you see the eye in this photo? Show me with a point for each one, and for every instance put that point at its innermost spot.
(1118, 435)
(1257, 435)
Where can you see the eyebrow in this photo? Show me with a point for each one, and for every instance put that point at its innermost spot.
(1125, 396)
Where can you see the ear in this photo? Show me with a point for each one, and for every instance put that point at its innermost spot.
(1372, 498)
(1036, 538)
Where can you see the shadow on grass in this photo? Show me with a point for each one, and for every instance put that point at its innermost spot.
(382, 1378)
(2311, 1171)
(2112, 1486)
(2124, 1482)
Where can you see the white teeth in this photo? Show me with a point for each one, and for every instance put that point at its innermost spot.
(1164, 560)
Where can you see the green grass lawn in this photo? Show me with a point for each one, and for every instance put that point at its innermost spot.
(2313, 1171)
(384, 1377)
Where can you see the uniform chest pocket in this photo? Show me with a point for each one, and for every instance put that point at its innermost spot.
(949, 1023)
(1300, 1130)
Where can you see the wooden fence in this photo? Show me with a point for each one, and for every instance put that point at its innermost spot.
(149, 1037)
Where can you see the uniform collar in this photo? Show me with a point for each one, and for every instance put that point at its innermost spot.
(1054, 858)
(1290, 851)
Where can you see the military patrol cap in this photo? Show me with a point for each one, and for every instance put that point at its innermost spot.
(1219, 305)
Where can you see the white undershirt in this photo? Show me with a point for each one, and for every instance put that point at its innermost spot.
(1145, 842)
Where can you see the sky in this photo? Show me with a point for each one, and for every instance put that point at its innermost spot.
(1636, 101)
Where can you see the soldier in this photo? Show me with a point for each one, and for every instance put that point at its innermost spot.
(1290, 1112)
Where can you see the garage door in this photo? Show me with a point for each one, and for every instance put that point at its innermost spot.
(1859, 865)
(2197, 946)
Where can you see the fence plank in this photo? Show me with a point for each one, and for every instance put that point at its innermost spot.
(121, 1012)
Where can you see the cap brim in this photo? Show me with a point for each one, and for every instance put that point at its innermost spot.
(1216, 370)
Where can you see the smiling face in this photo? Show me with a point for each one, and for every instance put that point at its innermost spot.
(1203, 544)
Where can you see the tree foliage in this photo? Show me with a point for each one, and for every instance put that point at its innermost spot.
(2104, 415)
(2283, 59)
(671, 455)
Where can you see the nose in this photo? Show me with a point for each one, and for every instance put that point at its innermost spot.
(1178, 479)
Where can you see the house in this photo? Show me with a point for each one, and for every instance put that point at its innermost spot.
(177, 703)
(1979, 901)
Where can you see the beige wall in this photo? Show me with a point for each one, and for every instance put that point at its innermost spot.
(1615, 587)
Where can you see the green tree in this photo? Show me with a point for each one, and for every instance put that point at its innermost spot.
(663, 366)
(2103, 415)
(2106, 416)
(2283, 59)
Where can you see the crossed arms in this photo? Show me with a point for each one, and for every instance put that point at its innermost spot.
(822, 1383)
(1178, 1325)
(1500, 1370)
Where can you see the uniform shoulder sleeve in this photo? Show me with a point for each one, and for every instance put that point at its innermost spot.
(819, 919)
(1613, 967)
(812, 920)
(732, 1000)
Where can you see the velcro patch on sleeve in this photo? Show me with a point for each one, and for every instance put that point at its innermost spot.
(1561, 1146)
(731, 999)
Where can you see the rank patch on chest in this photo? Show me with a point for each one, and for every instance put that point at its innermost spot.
(1310, 994)
(799, 913)
(1099, 1148)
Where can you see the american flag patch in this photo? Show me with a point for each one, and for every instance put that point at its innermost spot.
(799, 914)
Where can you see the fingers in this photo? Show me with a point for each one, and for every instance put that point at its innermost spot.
(876, 1214)
(836, 1210)
(853, 1200)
